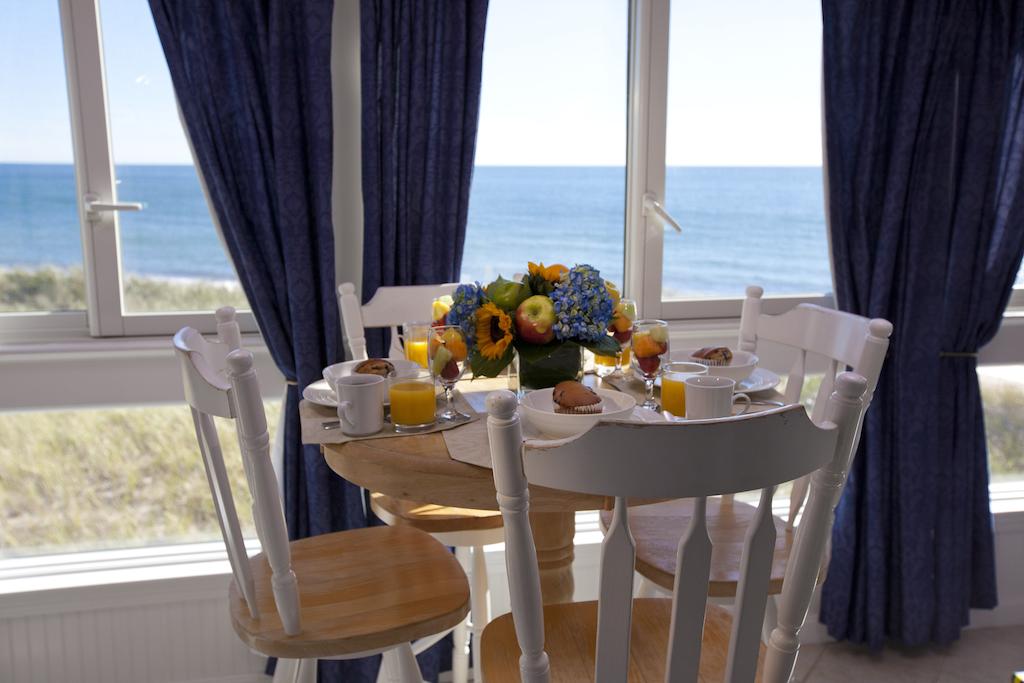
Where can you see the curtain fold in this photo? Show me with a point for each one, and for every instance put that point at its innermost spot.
(421, 70)
(254, 85)
(925, 139)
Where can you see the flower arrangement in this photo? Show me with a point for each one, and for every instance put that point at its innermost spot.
(552, 309)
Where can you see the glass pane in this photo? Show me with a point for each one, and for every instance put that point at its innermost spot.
(549, 182)
(743, 150)
(1002, 393)
(40, 235)
(110, 478)
(171, 256)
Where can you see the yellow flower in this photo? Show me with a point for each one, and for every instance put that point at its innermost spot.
(493, 331)
(550, 273)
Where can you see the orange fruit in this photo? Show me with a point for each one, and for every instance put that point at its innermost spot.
(456, 345)
(644, 346)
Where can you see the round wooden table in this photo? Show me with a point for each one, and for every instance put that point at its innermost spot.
(419, 468)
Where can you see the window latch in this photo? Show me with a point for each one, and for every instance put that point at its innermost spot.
(94, 207)
(652, 205)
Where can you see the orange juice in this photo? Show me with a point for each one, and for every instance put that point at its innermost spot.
(605, 360)
(624, 363)
(416, 351)
(673, 385)
(412, 403)
(673, 395)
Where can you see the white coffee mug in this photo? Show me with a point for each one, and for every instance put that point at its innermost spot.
(709, 396)
(359, 404)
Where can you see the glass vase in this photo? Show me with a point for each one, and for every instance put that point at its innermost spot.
(564, 363)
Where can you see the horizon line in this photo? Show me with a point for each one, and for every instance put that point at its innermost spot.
(540, 165)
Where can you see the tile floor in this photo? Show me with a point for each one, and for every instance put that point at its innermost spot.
(981, 656)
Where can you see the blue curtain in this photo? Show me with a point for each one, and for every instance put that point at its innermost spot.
(421, 67)
(924, 118)
(254, 85)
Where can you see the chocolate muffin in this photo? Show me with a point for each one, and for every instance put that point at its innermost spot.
(713, 355)
(376, 366)
(572, 398)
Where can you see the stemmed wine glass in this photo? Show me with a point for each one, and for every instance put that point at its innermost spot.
(650, 350)
(447, 351)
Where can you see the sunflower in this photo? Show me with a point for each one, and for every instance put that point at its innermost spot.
(549, 273)
(542, 279)
(493, 331)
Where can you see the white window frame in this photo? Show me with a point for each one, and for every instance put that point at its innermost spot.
(100, 231)
(647, 97)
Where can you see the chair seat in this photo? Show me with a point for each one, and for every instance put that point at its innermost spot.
(360, 590)
(570, 637)
(433, 519)
(657, 529)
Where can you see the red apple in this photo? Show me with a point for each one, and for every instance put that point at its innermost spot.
(535, 320)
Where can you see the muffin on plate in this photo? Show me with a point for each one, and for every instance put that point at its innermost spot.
(572, 398)
(376, 366)
(712, 355)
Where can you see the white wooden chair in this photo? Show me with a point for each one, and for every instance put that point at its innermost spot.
(336, 596)
(653, 639)
(842, 340)
(468, 531)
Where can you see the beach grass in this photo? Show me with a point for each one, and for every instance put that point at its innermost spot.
(50, 288)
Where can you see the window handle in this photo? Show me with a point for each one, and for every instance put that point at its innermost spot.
(652, 205)
(94, 207)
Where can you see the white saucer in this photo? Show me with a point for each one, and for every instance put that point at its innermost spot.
(759, 380)
(320, 393)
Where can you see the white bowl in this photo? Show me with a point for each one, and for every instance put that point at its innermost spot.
(404, 369)
(539, 409)
(743, 363)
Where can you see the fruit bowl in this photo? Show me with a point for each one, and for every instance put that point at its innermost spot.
(743, 363)
(539, 410)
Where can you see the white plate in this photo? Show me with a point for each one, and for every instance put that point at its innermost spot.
(539, 410)
(320, 393)
(760, 380)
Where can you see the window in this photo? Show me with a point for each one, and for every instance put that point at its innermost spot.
(171, 259)
(110, 478)
(549, 181)
(743, 150)
(40, 250)
(135, 272)
(727, 137)
(1002, 394)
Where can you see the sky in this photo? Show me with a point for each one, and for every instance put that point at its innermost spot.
(744, 84)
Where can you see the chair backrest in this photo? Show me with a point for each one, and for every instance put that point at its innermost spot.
(219, 380)
(843, 340)
(662, 460)
(389, 307)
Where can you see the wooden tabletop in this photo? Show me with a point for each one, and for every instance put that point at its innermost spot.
(418, 467)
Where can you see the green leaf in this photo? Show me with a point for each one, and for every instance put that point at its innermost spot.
(605, 346)
(489, 367)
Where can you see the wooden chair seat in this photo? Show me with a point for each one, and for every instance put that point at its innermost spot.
(658, 528)
(359, 591)
(433, 519)
(570, 637)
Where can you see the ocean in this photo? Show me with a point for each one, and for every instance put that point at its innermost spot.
(740, 225)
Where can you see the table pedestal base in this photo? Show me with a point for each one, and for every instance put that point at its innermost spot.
(553, 535)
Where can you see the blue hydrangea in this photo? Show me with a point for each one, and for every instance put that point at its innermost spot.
(583, 306)
(465, 301)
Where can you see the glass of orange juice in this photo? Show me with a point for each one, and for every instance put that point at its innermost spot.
(414, 336)
(621, 327)
(673, 386)
(413, 406)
